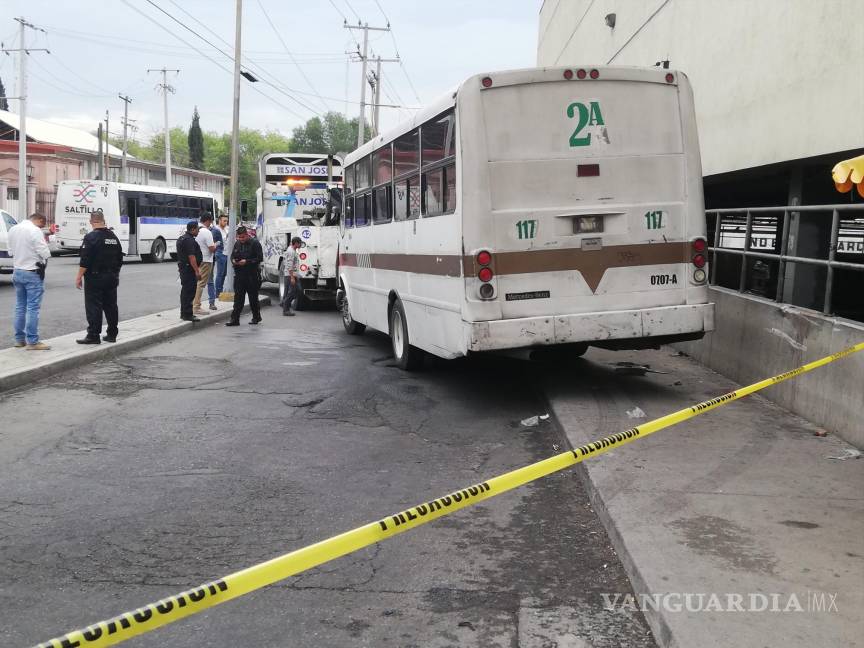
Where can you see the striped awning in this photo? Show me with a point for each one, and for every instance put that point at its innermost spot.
(848, 173)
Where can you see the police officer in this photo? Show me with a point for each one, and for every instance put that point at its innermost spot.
(99, 271)
(188, 263)
(246, 257)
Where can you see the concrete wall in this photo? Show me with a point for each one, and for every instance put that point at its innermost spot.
(773, 80)
(755, 339)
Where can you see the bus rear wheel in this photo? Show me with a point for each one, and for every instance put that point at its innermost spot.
(157, 251)
(351, 327)
(407, 357)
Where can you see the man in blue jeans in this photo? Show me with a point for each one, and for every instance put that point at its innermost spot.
(220, 257)
(30, 254)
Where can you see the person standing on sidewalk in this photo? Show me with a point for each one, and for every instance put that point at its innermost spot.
(99, 272)
(188, 260)
(221, 255)
(211, 285)
(246, 257)
(208, 247)
(30, 254)
(291, 267)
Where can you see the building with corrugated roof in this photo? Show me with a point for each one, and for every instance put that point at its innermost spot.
(56, 153)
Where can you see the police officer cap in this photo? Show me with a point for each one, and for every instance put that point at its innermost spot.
(191, 225)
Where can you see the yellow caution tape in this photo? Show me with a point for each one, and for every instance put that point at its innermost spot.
(173, 608)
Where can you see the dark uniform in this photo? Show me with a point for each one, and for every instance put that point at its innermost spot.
(247, 278)
(187, 246)
(102, 255)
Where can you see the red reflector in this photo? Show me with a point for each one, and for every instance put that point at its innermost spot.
(484, 258)
(487, 82)
(303, 267)
(699, 261)
(587, 170)
(580, 74)
(485, 274)
(594, 74)
(670, 77)
(302, 256)
(699, 245)
(568, 74)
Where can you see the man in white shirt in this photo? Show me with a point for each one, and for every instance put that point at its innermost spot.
(208, 247)
(30, 254)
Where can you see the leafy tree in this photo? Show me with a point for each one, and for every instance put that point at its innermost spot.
(195, 142)
(4, 102)
(334, 134)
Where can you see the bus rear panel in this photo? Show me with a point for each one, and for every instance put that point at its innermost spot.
(589, 224)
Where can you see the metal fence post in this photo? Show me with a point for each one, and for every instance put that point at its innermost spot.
(832, 251)
(784, 246)
(747, 233)
(718, 221)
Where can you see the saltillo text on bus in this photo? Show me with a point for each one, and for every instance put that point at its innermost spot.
(531, 208)
(148, 220)
(301, 195)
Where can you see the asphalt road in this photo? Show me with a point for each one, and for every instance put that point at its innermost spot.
(135, 478)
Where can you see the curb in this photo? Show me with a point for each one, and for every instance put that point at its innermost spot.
(661, 630)
(89, 354)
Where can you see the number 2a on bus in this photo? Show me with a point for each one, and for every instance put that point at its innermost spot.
(480, 225)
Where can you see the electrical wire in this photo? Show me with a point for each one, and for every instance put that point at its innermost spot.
(231, 58)
(216, 63)
(396, 47)
(73, 91)
(299, 68)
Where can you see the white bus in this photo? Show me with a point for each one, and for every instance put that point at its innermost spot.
(531, 208)
(147, 220)
(295, 199)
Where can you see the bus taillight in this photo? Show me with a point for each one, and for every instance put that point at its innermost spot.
(485, 275)
(484, 258)
(302, 256)
(568, 74)
(487, 291)
(670, 77)
(699, 261)
(487, 82)
(594, 74)
(699, 245)
(581, 74)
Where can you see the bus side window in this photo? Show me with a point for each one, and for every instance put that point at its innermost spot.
(362, 209)
(433, 182)
(449, 188)
(381, 198)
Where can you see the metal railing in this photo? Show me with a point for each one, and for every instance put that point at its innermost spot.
(783, 257)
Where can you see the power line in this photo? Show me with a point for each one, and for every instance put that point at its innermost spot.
(228, 56)
(281, 40)
(73, 91)
(216, 63)
(356, 15)
(398, 56)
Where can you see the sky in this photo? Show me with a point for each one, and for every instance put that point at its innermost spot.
(101, 48)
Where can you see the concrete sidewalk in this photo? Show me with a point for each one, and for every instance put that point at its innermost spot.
(741, 500)
(19, 366)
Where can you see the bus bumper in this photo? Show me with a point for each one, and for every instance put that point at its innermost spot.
(620, 329)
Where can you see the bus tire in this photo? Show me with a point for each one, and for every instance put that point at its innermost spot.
(351, 327)
(407, 357)
(157, 251)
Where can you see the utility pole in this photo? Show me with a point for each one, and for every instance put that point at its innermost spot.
(165, 90)
(234, 208)
(126, 102)
(107, 150)
(23, 52)
(361, 124)
(375, 81)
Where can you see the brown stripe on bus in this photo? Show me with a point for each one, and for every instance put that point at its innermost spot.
(592, 264)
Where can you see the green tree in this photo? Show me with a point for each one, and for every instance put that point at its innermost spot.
(4, 102)
(195, 142)
(334, 134)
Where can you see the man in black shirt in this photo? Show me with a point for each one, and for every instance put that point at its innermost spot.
(99, 271)
(246, 257)
(188, 262)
